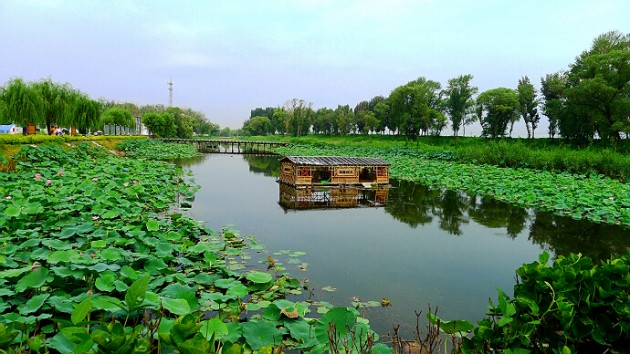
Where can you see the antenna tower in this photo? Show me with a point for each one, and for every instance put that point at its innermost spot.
(170, 93)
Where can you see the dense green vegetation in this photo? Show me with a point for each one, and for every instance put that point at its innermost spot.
(49, 104)
(589, 102)
(96, 259)
(594, 197)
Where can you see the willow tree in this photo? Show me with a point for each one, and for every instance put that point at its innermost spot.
(57, 103)
(21, 103)
(86, 112)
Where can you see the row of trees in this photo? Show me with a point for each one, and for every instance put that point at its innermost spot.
(50, 104)
(590, 100)
(47, 104)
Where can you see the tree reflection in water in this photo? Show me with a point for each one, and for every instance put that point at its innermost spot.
(414, 204)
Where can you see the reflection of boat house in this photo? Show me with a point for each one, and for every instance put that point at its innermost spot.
(292, 198)
(303, 171)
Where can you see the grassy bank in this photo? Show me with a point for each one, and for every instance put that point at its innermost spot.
(594, 197)
(539, 154)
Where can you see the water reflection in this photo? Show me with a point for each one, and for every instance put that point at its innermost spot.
(292, 198)
(416, 205)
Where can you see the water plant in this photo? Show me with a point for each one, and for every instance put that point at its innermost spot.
(594, 197)
(94, 257)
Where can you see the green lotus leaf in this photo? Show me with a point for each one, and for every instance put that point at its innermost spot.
(11, 211)
(179, 307)
(152, 225)
(341, 318)
(259, 277)
(137, 291)
(260, 334)
(33, 280)
(81, 310)
(213, 328)
(98, 244)
(105, 281)
(34, 304)
(107, 303)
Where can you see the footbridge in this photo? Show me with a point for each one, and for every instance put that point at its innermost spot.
(228, 146)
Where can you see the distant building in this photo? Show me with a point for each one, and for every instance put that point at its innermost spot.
(10, 129)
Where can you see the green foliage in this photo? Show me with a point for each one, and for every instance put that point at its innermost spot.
(149, 149)
(118, 116)
(459, 101)
(593, 197)
(160, 124)
(571, 306)
(94, 260)
(496, 109)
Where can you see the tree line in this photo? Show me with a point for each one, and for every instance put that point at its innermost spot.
(50, 104)
(590, 100)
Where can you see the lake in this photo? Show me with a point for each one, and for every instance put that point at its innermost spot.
(423, 246)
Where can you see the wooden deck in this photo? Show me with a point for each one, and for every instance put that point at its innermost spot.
(227, 146)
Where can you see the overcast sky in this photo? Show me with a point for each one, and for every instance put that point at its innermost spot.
(228, 57)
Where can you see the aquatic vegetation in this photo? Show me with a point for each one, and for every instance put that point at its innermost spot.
(593, 197)
(157, 150)
(99, 259)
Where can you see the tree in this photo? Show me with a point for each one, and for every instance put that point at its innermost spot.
(413, 106)
(528, 105)
(324, 121)
(56, 98)
(86, 112)
(118, 117)
(344, 119)
(21, 103)
(280, 120)
(496, 108)
(459, 101)
(260, 125)
(160, 124)
(552, 88)
(299, 116)
(598, 86)
(381, 112)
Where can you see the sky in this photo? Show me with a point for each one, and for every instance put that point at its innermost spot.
(227, 57)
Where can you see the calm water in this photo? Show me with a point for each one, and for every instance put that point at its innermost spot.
(425, 246)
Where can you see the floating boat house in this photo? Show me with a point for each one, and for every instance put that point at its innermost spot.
(305, 171)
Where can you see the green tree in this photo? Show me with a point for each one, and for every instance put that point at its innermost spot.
(21, 103)
(160, 124)
(381, 112)
(496, 109)
(57, 105)
(86, 113)
(299, 117)
(118, 117)
(324, 121)
(528, 105)
(552, 89)
(280, 120)
(598, 91)
(414, 106)
(459, 101)
(260, 125)
(344, 120)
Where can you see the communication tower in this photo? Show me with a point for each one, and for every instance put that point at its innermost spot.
(170, 93)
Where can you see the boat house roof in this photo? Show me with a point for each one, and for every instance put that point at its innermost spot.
(335, 161)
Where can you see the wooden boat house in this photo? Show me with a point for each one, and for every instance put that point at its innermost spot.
(305, 171)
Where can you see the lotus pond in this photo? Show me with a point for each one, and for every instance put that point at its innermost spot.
(446, 248)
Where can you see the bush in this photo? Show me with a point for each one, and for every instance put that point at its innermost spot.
(572, 306)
